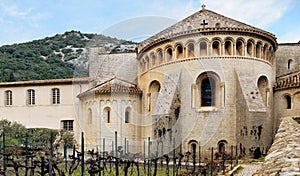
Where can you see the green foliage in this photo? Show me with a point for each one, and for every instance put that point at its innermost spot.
(49, 58)
(38, 138)
(14, 132)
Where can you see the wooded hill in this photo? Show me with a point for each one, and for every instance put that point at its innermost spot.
(60, 56)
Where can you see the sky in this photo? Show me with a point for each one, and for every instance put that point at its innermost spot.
(27, 20)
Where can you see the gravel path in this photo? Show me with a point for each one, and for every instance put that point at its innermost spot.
(249, 169)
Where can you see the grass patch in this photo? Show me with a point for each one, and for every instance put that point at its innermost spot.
(238, 170)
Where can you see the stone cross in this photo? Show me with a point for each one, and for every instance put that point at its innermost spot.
(204, 24)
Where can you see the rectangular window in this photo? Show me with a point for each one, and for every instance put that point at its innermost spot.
(67, 125)
(31, 97)
(55, 96)
(8, 98)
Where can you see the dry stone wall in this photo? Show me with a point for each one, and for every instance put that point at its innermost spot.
(284, 156)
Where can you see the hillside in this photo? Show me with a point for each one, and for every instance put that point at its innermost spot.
(60, 56)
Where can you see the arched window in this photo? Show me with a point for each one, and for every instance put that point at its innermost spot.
(154, 89)
(55, 96)
(203, 49)
(193, 146)
(264, 54)
(208, 85)
(270, 54)
(127, 115)
(288, 100)
(262, 85)
(160, 57)
(179, 52)
(191, 50)
(208, 88)
(250, 49)
(258, 50)
(222, 146)
(153, 60)
(289, 66)
(89, 117)
(107, 115)
(8, 98)
(228, 48)
(147, 63)
(216, 49)
(239, 48)
(31, 97)
(169, 54)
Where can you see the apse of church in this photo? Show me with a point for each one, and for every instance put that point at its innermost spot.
(204, 82)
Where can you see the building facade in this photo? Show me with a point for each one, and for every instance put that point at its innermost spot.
(207, 81)
(43, 103)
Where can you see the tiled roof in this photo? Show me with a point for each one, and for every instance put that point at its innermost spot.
(117, 88)
(111, 86)
(45, 82)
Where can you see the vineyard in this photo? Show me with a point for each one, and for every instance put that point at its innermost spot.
(29, 160)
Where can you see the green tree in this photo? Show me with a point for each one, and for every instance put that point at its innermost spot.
(14, 132)
(38, 138)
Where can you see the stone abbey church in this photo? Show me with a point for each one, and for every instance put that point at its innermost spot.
(207, 81)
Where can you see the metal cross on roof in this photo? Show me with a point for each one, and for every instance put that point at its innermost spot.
(204, 24)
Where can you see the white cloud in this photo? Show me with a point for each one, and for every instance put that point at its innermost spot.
(293, 36)
(13, 10)
(255, 12)
(175, 9)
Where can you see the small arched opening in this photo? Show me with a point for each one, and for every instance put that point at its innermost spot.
(264, 53)
(263, 87)
(169, 54)
(127, 115)
(216, 49)
(228, 48)
(147, 63)
(154, 89)
(160, 57)
(179, 52)
(107, 115)
(153, 60)
(222, 146)
(289, 65)
(258, 50)
(250, 49)
(193, 147)
(190, 50)
(288, 101)
(203, 48)
(239, 48)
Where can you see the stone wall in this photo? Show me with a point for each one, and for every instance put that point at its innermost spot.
(283, 157)
(104, 66)
(287, 53)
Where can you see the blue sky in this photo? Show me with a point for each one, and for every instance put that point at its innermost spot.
(26, 20)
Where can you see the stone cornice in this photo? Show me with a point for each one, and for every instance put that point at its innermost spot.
(287, 81)
(68, 81)
(207, 57)
(207, 31)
